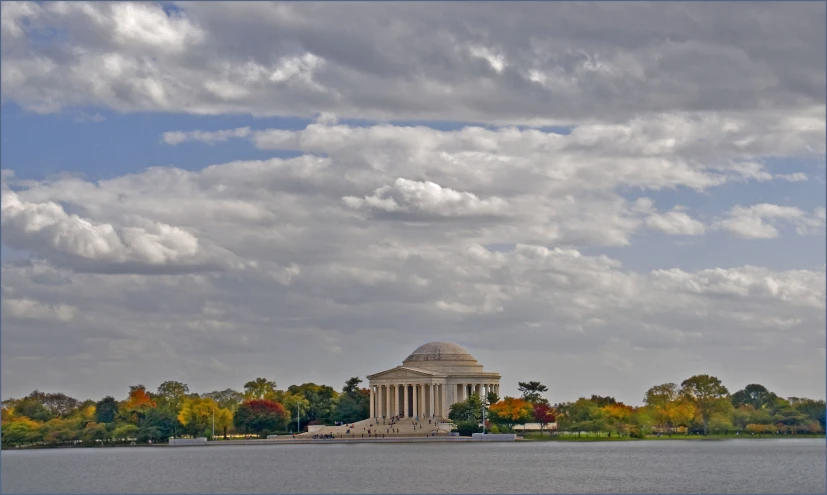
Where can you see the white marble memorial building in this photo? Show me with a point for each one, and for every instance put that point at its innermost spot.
(432, 378)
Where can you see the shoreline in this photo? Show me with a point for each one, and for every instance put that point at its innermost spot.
(404, 440)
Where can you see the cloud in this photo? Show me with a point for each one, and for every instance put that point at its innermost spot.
(760, 221)
(508, 68)
(427, 198)
(209, 137)
(675, 223)
(29, 309)
(47, 227)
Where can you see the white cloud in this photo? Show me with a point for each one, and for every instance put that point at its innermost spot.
(428, 198)
(675, 223)
(209, 137)
(760, 221)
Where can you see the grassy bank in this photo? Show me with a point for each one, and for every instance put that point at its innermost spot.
(615, 438)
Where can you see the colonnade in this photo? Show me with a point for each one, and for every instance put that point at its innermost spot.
(423, 399)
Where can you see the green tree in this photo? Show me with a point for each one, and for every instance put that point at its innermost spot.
(226, 399)
(468, 410)
(172, 393)
(754, 395)
(258, 388)
(708, 396)
(164, 423)
(492, 398)
(106, 409)
(125, 432)
(32, 409)
(813, 409)
(321, 398)
(532, 391)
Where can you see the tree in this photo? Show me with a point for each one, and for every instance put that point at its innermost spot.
(21, 430)
(135, 407)
(814, 409)
(60, 405)
(492, 398)
(164, 423)
(256, 416)
(226, 399)
(510, 411)
(172, 393)
(322, 400)
(754, 395)
(531, 391)
(661, 395)
(197, 413)
(106, 409)
(544, 415)
(258, 388)
(707, 394)
(467, 410)
(125, 432)
(351, 385)
(94, 432)
(32, 409)
(223, 420)
(297, 407)
(603, 401)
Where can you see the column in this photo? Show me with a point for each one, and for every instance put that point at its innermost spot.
(422, 400)
(478, 389)
(405, 399)
(431, 403)
(387, 411)
(443, 403)
(415, 391)
(372, 408)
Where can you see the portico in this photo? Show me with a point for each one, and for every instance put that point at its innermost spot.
(432, 378)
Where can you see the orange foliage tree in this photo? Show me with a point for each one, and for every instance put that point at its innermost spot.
(510, 411)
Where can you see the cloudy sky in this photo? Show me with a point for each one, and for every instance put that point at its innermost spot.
(602, 197)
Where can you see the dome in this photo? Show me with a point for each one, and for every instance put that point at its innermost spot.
(440, 351)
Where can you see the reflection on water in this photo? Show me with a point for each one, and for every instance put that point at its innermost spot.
(669, 466)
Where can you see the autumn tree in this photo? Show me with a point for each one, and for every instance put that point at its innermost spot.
(258, 388)
(136, 405)
(172, 394)
(510, 411)
(223, 420)
(544, 415)
(708, 396)
(257, 416)
(196, 414)
(660, 399)
(532, 391)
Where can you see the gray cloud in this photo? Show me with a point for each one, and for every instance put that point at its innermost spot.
(567, 63)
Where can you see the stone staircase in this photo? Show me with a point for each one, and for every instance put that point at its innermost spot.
(407, 427)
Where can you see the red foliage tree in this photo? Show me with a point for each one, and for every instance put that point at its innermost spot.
(259, 415)
(544, 415)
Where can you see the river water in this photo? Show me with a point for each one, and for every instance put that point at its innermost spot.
(666, 466)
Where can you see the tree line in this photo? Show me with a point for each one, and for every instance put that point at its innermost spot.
(700, 404)
(173, 411)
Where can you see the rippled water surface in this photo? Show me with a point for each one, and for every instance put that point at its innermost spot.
(727, 466)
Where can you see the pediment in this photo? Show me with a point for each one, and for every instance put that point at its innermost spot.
(405, 372)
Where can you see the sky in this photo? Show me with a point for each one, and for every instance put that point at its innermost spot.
(599, 196)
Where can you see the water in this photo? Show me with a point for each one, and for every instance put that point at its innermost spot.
(667, 466)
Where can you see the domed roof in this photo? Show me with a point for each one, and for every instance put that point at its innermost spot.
(440, 351)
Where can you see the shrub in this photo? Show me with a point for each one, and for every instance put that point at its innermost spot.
(466, 428)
